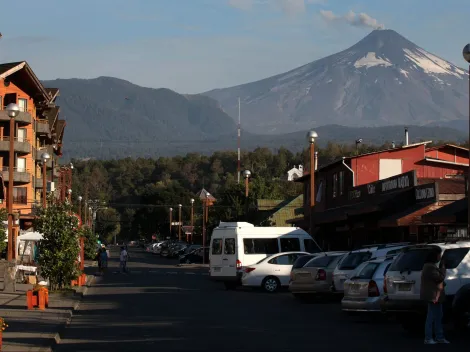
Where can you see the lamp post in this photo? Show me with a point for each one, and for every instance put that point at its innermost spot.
(179, 221)
(171, 220)
(69, 192)
(205, 217)
(247, 175)
(192, 220)
(45, 157)
(80, 206)
(311, 135)
(466, 56)
(13, 111)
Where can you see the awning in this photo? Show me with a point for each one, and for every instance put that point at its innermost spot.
(334, 215)
(409, 216)
(383, 203)
(455, 212)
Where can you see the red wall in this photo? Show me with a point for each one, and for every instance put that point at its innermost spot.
(449, 154)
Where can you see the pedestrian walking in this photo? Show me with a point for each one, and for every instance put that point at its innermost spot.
(433, 292)
(103, 259)
(123, 259)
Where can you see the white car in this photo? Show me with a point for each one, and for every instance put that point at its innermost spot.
(272, 272)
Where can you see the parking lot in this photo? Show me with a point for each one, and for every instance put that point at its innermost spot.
(160, 306)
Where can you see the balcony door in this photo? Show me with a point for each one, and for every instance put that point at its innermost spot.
(21, 134)
(23, 104)
(21, 164)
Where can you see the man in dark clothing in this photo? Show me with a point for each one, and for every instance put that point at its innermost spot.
(432, 292)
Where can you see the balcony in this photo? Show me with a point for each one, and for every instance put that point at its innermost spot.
(42, 127)
(21, 145)
(20, 175)
(38, 155)
(22, 118)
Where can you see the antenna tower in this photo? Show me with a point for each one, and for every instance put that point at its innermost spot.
(239, 143)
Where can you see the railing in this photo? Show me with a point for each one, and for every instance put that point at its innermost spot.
(15, 169)
(16, 139)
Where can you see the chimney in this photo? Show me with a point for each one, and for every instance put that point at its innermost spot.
(316, 161)
(393, 145)
(406, 136)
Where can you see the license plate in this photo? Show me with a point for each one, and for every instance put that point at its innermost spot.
(354, 288)
(216, 269)
(404, 287)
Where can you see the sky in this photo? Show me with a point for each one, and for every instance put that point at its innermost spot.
(192, 46)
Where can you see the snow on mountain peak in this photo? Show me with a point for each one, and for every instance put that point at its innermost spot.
(431, 64)
(371, 60)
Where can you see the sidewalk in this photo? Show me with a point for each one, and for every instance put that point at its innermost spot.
(35, 330)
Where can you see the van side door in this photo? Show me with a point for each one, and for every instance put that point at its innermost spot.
(229, 257)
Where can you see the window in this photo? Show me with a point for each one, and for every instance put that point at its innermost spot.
(229, 247)
(310, 246)
(368, 271)
(341, 183)
(22, 134)
(260, 246)
(20, 195)
(337, 259)
(21, 164)
(453, 257)
(23, 104)
(299, 263)
(353, 260)
(335, 185)
(217, 246)
(411, 260)
(290, 244)
(287, 259)
(320, 262)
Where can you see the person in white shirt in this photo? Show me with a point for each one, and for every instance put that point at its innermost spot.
(123, 259)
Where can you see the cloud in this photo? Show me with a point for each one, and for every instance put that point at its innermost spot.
(352, 18)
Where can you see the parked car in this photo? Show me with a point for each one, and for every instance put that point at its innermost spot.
(314, 276)
(272, 272)
(237, 245)
(353, 259)
(195, 257)
(403, 282)
(364, 291)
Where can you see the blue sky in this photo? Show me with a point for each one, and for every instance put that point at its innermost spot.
(196, 45)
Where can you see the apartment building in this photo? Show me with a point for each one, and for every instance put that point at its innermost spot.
(38, 129)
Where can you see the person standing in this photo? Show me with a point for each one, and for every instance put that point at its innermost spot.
(103, 259)
(123, 259)
(433, 292)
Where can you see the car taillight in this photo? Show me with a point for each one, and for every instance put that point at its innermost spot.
(373, 289)
(249, 270)
(239, 264)
(385, 284)
(321, 275)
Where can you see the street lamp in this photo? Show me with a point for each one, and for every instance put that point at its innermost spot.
(45, 157)
(80, 206)
(205, 216)
(179, 221)
(246, 175)
(311, 136)
(69, 191)
(192, 220)
(171, 219)
(13, 111)
(466, 56)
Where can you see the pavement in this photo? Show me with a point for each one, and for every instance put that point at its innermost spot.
(162, 306)
(35, 330)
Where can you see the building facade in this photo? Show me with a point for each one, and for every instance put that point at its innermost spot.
(38, 129)
(356, 198)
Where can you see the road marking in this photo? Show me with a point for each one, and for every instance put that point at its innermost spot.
(190, 273)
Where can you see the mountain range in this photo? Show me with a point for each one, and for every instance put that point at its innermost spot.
(384, 79)
(383, 82)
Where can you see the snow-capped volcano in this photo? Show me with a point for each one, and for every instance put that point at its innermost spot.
(384, 79)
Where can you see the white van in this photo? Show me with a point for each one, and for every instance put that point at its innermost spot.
(235, 245)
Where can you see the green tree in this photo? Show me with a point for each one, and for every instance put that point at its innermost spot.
(90, 242)
(3, 230)
(108, 224)
(59, 249)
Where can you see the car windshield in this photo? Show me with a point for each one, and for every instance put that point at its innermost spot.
(411, 260)
(353, 260)
(367, 271)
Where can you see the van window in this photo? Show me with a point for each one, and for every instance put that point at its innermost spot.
(310, 246)
(229, 246)
(217, 246)
(411, 260)
(290, 244)
(453, 257)
(260, 246)
(353, 260)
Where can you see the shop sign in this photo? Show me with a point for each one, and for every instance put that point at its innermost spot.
(427, 193)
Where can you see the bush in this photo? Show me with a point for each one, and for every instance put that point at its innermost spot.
(90, 243)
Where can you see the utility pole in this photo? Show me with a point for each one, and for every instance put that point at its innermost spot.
(239, 143)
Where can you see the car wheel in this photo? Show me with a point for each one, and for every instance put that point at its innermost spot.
(271, 284)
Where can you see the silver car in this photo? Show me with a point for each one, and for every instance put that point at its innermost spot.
(363, 292)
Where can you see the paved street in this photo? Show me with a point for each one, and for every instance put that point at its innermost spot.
(161, 307)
